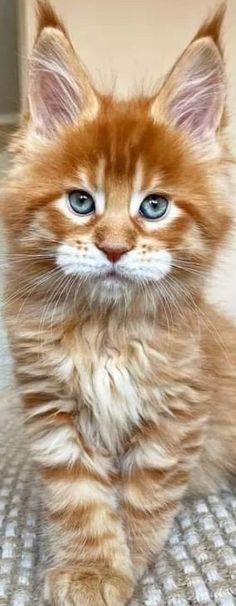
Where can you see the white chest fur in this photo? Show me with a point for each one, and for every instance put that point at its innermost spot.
(119, 377)
(109, 369)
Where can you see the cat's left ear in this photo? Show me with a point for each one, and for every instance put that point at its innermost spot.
(60, 91)
(193, 95)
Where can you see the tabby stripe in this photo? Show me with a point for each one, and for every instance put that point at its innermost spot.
(53, 416)
(90, 515)
(142, 477)
(79, 492)
(73, 472)
(35, 398)
(143, 514)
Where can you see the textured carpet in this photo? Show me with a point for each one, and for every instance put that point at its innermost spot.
(5, 361)
(198, 565)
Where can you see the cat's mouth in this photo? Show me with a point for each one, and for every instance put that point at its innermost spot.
(115, 275)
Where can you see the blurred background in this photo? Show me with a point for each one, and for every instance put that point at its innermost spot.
(130, 42)
(127, 43)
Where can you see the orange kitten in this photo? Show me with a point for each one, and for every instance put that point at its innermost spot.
(115, 212)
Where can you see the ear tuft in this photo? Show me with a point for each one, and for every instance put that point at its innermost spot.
(47, 17)
(212, 27)
(60, 91)
(193, 95)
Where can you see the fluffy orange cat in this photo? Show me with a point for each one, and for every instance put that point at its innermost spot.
(115, 211)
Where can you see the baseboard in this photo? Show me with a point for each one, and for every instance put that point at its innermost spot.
(9, 119)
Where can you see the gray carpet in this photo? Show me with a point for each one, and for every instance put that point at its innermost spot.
(5, 361)
(197, 567)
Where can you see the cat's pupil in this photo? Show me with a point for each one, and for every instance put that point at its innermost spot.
(81, 202)
(154, 207)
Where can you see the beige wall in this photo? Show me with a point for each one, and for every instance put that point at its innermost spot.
(136, 42)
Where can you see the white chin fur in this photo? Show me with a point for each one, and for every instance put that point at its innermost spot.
(94, 267)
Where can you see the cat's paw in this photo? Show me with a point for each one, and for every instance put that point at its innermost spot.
(87, 586)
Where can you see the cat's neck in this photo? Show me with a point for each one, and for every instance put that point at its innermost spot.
(163, 315)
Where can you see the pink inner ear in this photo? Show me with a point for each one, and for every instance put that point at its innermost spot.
(55, 95)
(195, 106)
(55, 99)
(194, 95)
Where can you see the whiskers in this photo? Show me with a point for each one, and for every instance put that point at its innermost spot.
(190, 267)
(180, 300)
(48, 296)
(172, 301)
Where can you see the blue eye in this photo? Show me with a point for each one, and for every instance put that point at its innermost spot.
(153, 207)
(81, 202)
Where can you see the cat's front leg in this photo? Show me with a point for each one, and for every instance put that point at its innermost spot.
(155, 477)
(91, 559)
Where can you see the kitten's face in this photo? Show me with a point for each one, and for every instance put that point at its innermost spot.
(128, 197)
(122, 204)
(126, 209)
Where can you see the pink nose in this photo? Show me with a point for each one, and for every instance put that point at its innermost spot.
(114, 253)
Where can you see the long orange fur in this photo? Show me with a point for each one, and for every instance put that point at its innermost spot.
(129, 400)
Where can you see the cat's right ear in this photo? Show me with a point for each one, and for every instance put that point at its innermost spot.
(60, 91)
(193, 96)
